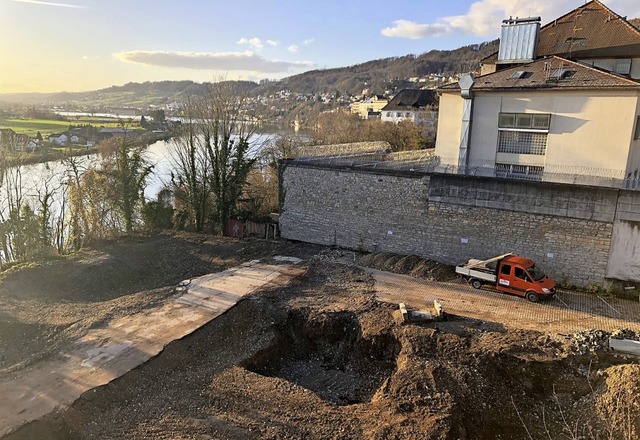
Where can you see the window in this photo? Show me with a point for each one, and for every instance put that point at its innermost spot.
(388, 114)
(522, 142)
(636, 134)
(505, 269)
(398, 114)
(536, 121)
(520, 273)
(622, 67)
(527, 172)
(407, 114)
(523, 133)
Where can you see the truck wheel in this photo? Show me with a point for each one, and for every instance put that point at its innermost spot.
(476, 284)
(532, 296)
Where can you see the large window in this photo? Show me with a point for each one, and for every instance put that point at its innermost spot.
(521, 142)
(524, 121)
(523, 133)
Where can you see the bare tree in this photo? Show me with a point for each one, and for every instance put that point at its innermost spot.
(126, 173)
(190, 175)
(214, 160)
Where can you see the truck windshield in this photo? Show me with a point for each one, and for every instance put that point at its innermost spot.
(536, 273)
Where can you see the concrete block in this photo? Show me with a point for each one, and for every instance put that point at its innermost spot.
(438, 308)
(404, 312)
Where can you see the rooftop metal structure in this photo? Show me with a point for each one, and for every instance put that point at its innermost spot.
(518, 40)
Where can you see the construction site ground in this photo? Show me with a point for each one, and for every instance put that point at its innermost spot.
(323, 353)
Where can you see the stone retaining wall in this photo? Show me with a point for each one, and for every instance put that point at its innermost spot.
(449, 218)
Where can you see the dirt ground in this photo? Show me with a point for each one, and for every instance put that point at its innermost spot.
(319, 357)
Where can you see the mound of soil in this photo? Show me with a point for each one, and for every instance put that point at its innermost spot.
(321, 358)
(408, 265)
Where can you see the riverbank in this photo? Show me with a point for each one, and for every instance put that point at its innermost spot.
(47, 154)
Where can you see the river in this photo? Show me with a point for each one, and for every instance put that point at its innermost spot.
(157, 154)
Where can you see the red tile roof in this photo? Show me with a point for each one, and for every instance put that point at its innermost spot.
(591, 30)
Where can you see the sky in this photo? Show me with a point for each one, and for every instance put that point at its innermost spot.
(79, 45)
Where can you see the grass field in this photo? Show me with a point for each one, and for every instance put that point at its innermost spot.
(31, 127)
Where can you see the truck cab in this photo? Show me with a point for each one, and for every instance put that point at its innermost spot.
(520, 276)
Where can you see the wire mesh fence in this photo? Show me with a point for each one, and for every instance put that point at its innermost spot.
(426, 162)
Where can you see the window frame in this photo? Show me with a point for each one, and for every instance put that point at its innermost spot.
(519, 119)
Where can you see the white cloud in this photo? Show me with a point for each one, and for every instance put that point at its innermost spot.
(484, 17)
(273, 42)
(225, 61)
(628, 8)
(309, 41)
(253, 42)
(293, 48)
(61, 5)
(415, 31)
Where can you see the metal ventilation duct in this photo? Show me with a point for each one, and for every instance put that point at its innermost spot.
(519, 40)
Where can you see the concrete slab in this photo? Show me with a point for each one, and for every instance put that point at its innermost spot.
(107, 353)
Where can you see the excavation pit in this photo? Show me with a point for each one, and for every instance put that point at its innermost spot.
(327, 354)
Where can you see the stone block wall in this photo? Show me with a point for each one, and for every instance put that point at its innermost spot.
(450, 219)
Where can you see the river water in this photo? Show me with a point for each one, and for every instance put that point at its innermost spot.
(157, 154)
(33, 179)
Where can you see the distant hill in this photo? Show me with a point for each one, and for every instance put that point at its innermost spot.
(377, 76)
(380, 75)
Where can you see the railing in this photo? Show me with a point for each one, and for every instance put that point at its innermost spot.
(425, 161)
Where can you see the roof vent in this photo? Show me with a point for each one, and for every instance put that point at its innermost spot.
(518, 40)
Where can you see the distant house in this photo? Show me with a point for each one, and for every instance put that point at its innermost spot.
(31, 145)
(12, 141)
(369, 108)
(59, 139)
(549, 117)
(7, 138)
(415, 105)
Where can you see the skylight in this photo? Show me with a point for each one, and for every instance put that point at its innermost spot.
(558, 74)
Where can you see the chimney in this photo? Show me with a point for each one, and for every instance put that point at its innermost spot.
(518, 40)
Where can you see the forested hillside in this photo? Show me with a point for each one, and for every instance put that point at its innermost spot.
(377, 76)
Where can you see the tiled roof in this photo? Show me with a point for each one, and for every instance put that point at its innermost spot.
(538, 75)
(591, 30)
(412, 98)
(588, 31)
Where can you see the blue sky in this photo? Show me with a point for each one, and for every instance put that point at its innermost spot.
(75, 45)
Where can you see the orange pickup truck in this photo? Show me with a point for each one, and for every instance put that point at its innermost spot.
(511, 274)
